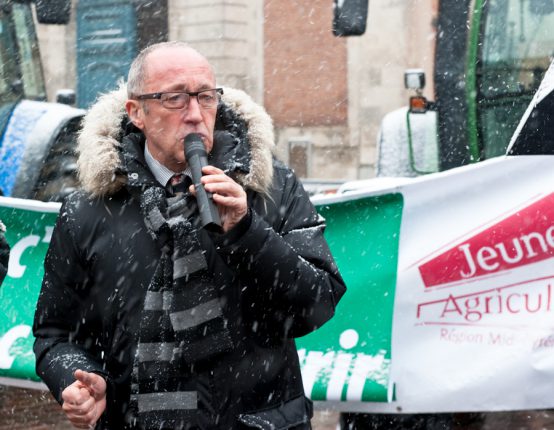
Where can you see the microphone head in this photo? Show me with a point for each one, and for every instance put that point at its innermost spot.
(194, 146)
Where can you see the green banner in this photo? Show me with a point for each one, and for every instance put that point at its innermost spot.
(29, 228)
(348, 359)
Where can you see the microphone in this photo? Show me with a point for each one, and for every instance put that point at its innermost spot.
(196, 156)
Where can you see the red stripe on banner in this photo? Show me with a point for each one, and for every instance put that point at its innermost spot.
(523, 238)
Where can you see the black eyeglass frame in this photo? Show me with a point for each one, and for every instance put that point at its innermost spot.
(158, 96)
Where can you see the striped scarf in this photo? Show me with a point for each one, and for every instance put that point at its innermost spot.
(182, 322)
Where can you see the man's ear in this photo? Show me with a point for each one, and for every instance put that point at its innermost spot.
(135, 113)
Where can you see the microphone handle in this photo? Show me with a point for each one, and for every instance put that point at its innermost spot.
(196, 163)
(209, 215)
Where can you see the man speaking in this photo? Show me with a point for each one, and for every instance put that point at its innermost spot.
(150, 317)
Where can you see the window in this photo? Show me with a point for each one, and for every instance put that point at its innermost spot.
(517, 49)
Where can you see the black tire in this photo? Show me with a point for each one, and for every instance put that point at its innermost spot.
(58, 176)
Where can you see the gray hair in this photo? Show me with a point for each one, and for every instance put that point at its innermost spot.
(136, 76)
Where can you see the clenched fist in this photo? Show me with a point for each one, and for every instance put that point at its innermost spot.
(84, 401)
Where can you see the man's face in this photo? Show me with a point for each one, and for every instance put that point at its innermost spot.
(174, 69)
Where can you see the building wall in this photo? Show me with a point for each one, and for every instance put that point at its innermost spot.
(304, 65)
(229, 33)
(305, 82)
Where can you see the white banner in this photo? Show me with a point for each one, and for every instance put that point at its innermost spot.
(474, 310)
(473, 326)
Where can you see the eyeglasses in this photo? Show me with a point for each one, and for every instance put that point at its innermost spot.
(180, 99)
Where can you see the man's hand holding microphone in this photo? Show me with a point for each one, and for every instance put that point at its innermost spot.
(212, 185)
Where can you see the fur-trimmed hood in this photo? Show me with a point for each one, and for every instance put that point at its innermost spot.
(99, 142)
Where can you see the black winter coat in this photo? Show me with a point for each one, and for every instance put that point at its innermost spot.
(276, 275)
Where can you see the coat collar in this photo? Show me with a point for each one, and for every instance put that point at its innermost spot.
(102, 171)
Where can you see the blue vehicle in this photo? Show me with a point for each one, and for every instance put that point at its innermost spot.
(36, 138)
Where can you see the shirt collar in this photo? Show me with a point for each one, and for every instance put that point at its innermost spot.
(160, 172)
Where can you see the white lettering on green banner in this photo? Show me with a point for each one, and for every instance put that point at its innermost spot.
(29, 229)
(348, 359)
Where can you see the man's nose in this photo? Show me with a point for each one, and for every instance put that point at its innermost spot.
(193, 111)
